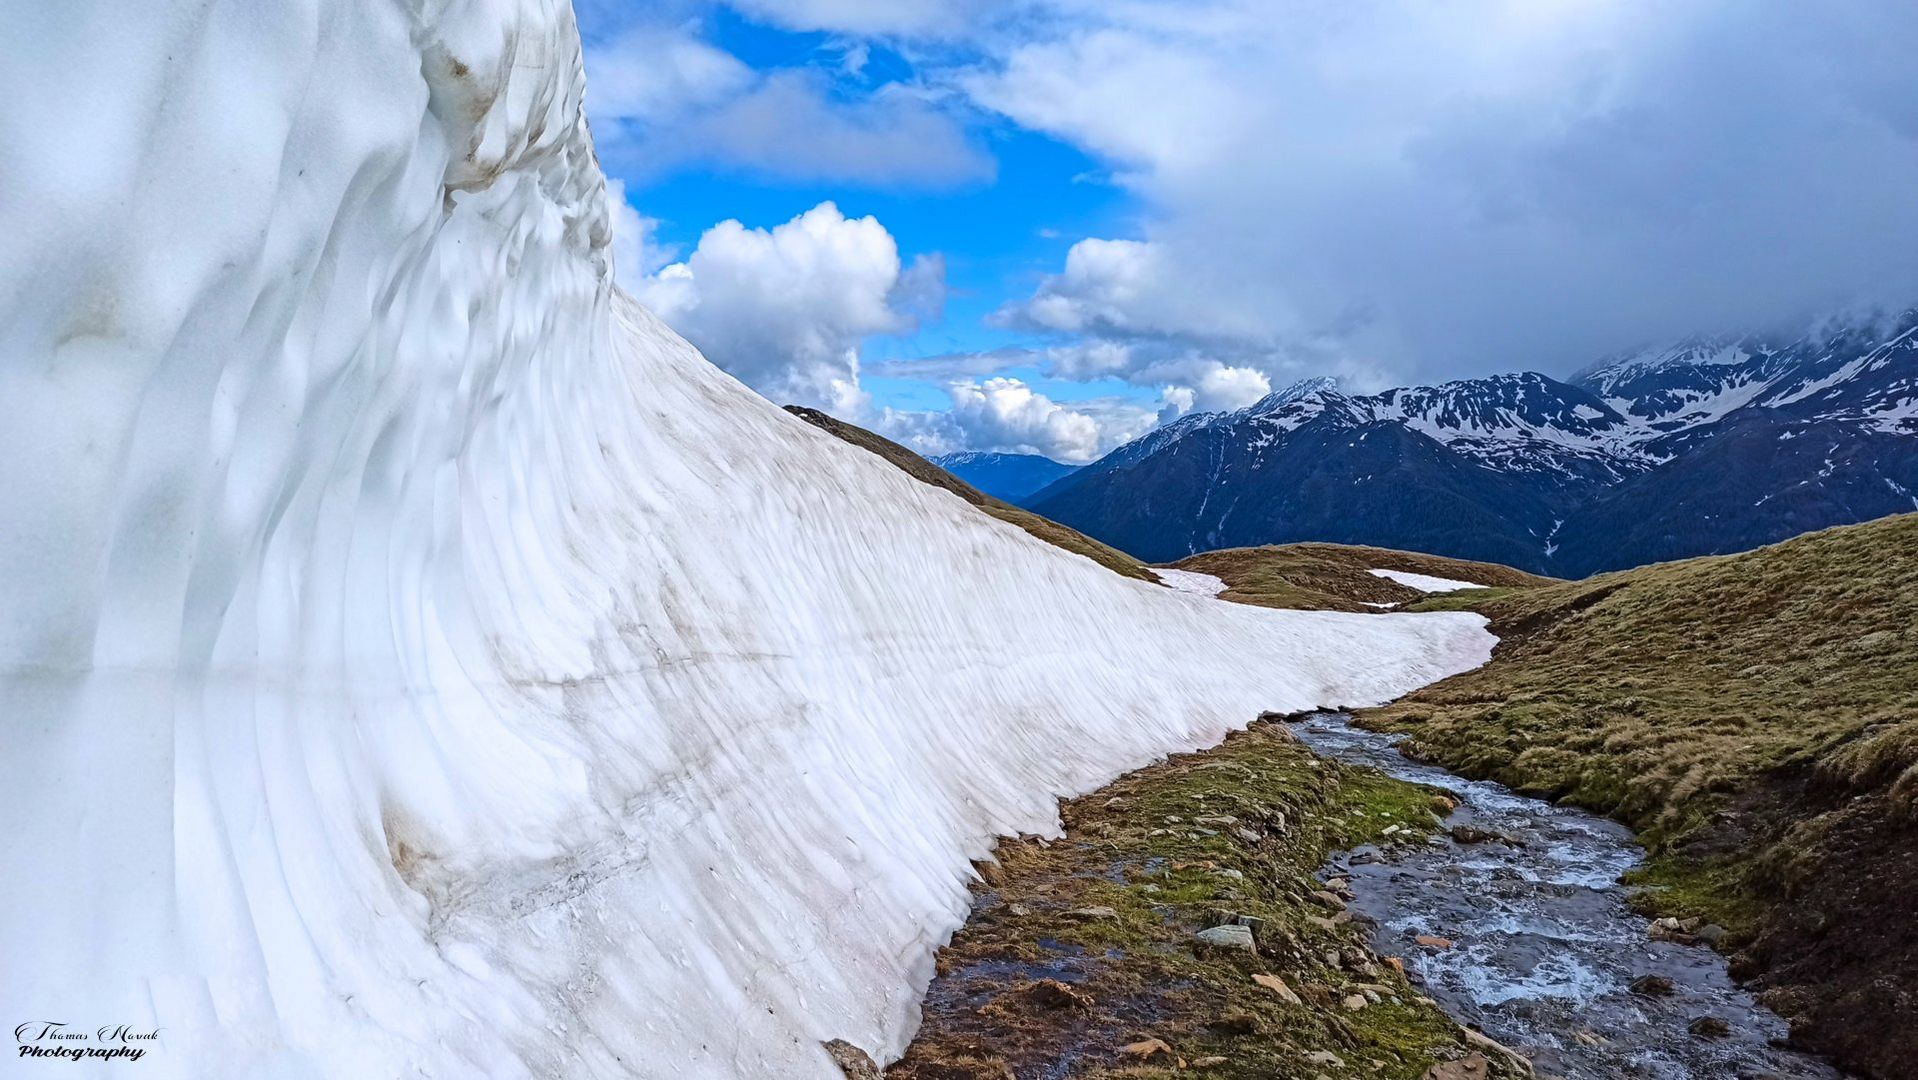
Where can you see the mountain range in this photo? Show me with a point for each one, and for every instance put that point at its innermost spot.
(1705, 446)
(1003, 476)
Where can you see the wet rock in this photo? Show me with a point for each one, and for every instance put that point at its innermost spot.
(1672, 930)
(1443, 804)
(1148, 1052)
(1652, 986)
(1472, 834)
(1232, 936)
(1711, 934)
(1433, 941)
(1709, 1027)
(854, 1062)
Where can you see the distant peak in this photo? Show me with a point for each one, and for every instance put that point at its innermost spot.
(1317, 385)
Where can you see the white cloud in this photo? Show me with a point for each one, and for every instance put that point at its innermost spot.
(1006, 415)
(785, 309)
(1224, 388)
(655, 74)
(1449, 189)
(867, 16)
(660, 98)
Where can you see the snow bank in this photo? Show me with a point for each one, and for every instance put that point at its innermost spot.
(1425, 582)
(1189, 581)
(415, 660)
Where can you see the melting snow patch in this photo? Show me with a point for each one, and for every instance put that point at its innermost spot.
(1425, 582)
(1190, 581)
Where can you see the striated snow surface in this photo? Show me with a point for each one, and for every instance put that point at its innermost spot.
(417, 661)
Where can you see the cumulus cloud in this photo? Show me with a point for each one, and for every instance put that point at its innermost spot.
(1451, 189)
(785, 309)
(1007, 415)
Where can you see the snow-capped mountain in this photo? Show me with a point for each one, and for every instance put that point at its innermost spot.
(1610, 469)
(1011, 477)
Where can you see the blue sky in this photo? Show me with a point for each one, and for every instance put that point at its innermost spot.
(1047, 225)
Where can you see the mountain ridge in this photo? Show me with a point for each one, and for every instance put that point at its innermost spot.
(1558, 477)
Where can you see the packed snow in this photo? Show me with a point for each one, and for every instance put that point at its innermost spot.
(1426, 582)
(417, 661)
(1189, 581)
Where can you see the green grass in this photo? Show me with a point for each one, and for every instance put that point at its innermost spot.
(1337, 577)
(1659, 694)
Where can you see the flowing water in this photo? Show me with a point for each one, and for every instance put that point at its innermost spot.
(1544, 949)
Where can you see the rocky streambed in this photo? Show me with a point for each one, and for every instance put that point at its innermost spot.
(1515, 922)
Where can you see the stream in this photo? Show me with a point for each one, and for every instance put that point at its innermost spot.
(1543, 949)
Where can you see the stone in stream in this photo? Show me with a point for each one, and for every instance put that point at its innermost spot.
(1472, 834)
(1709, 1027)
(1652, 986)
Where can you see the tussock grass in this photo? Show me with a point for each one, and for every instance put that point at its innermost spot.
(1660, 694)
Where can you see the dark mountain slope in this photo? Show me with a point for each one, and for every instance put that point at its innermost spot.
(1336, 477)
(1707, 446)
(1011, 477)
(1760, 478)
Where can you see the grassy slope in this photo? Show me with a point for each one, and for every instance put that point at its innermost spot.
(1756, 716)
(1112, 908)
(1336, 577)
(926, 472)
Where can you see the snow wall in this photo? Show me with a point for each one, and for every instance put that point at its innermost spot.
(417, 661)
